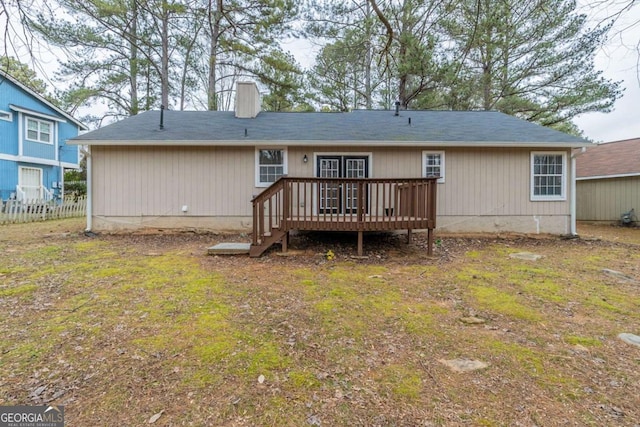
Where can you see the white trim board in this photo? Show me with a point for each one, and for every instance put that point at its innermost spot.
(38, 161)
(36, 114)
(322, 143)
(622, 175)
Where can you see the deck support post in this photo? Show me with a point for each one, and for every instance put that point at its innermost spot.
(430, 241)
(359, 243)
(285, 242)
(408, 236)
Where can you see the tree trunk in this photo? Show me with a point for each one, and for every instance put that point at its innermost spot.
(133, 60)
(214, 30)
(164, 77)
(403, 79)
(185, 67)
(367, 69)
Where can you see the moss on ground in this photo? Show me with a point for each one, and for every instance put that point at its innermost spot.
(128, 326)
(505, 303)
(401, 382)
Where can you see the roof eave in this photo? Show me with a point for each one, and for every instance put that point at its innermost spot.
(620, 175)
(300, 143)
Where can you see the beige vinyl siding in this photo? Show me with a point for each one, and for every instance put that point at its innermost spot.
(489, 189)
(493, 181)
(486, 189)
(606, 199)
(140, 181)
(483, 181)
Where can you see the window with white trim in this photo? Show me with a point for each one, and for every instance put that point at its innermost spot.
(433, 164)
(39, 130)
(6, 115)
(271, 164)
(548, 176)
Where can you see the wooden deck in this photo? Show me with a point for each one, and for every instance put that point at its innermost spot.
(369, 223)
(347, 204)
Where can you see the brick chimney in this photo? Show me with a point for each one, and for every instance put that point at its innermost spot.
(247, 100)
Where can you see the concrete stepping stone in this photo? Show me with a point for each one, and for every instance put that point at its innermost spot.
(630, 339)
(527, 256)
(464, 365)
(473, 320)
(619, 275)
(229, 249)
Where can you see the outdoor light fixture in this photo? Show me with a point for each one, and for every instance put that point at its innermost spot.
(305, 158)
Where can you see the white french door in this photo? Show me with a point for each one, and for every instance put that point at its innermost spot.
(329, 197)
(340, 198)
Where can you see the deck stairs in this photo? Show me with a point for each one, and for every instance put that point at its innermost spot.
(267, 240)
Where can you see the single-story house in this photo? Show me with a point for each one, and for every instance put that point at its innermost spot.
(496, 173)
(608, 180)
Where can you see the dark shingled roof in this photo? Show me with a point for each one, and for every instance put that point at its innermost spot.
(444, 127)
(610, 159)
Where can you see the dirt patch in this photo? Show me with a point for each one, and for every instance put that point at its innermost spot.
(610, 232)
(123, 329)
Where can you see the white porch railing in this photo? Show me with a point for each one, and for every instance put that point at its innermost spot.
(33, 192)
(48, 194)
(20, 193)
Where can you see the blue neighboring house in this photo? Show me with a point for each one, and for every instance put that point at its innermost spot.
(33, 149)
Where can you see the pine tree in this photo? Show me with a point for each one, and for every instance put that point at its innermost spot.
(532, 59)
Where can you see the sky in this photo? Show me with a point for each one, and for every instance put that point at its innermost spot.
(624, 121)
(619, 61)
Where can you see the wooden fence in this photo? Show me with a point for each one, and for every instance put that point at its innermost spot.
(15, 211)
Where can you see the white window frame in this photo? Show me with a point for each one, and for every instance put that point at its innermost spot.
(260, 183)
(39, 122)
(563, 185)
(442, 164)
(6, 115)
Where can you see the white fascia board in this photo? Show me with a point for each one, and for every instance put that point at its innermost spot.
(71, 165)
(622, 175)
(36, 114)
(38, 161)
(305, 143)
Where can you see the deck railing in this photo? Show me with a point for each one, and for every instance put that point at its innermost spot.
(343, 204)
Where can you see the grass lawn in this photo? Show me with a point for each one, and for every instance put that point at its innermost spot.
(126, 329)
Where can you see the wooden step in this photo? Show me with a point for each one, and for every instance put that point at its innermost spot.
(267, 240)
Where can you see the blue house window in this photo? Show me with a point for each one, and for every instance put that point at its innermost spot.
(39, 130)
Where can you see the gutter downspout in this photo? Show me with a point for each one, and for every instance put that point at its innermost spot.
(573, 202)
(89, 190)
(61, 172)
(574, 229)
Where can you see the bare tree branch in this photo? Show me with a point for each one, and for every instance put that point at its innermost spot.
(386, 51)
